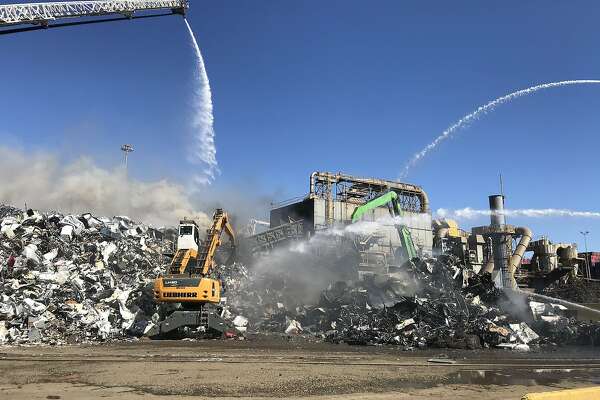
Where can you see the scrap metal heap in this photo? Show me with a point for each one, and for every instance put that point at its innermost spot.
(78, 278)
(68, 278)
(577, 290)
(447, 310)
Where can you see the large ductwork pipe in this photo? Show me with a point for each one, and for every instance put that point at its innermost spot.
(517, 257)
(312, 182)
(424, 201)
(489, 265)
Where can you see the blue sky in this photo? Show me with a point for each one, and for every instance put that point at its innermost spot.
(350, 86)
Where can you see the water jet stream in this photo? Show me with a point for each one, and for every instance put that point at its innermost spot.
(482, 110)
(203, 150)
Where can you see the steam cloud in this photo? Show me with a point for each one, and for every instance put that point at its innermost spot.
(203, 151)
(43, 183)
(482, 110)
(470, 213)
(330, 255)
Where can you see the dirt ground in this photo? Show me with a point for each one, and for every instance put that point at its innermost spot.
(279, 367)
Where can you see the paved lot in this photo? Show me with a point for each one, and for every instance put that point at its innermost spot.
(276, 367)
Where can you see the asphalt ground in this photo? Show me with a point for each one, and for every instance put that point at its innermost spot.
(268, 367)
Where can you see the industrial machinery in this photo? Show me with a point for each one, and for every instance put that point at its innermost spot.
(550, 262)
(503, 260)
(487, 248)
(331, 203)
(469, 248)
(390, 199)
(251, 246)
(191, 280)
(253, 223)
(333, 197)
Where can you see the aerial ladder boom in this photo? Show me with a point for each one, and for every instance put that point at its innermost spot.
(389, 199)
(44, 13)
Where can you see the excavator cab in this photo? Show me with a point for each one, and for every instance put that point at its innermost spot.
(189, 237)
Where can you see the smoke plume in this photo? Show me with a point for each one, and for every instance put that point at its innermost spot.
(43, 183)
(307, 266)
(482, 110)
(330, 255)
(203, 151)
(470, 213)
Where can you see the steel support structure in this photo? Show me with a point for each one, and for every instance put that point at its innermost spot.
(352, 189)
(44, 13)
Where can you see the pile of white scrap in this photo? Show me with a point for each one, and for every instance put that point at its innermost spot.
(240, 323)
(62, 280)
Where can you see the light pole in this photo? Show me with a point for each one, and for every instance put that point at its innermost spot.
(587, 258)
(126, 149)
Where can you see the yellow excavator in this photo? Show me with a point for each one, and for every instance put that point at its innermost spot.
(191, 280)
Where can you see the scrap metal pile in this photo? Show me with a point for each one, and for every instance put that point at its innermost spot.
(576, 290)
(80, 278)
(450, 308)
(68, 278)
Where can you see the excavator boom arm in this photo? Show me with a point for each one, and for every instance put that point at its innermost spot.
(207, 251)
(373, 204)
(396, 211)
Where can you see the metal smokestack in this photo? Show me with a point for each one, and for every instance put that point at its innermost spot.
(497, 210)
(500, 239)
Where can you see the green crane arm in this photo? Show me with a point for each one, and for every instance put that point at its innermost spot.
(405, 236)
(390, 197)
(376, 202)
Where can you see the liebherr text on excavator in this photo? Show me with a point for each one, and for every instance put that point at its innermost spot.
(191, 279)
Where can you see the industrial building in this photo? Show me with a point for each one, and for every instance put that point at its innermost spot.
(333, 198)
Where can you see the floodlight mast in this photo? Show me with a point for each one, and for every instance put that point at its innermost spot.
(126, 149)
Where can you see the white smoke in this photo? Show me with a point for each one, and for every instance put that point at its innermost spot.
(365, 227)
(470, 213)
(203, 151)
(329, 255)
(43, 183)
(482, 110)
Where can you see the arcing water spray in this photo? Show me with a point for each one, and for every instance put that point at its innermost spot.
(467, 119)
(203, 151)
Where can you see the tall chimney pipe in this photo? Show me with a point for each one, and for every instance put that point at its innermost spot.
(497, 210)
(501, 242)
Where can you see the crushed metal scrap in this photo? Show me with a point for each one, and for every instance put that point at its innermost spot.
(68, 278)
(453, 308)
(81, 278)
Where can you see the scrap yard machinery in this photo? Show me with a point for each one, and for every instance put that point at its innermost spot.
(332, 202)
(390, 199)
(191, 281)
